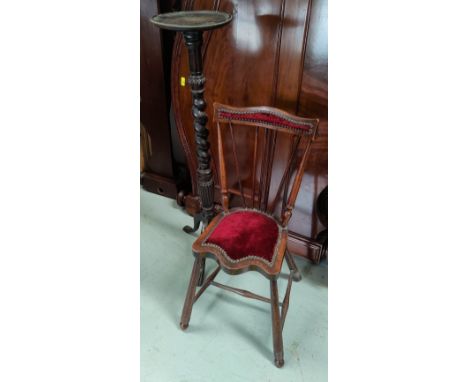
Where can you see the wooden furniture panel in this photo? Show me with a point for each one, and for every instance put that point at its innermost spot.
(313, 100)
(158, 175)
(274, 53)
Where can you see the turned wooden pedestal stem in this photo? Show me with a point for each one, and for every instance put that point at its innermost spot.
(193, 41)
(192, 24)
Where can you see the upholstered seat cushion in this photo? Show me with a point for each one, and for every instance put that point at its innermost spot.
(244, 234)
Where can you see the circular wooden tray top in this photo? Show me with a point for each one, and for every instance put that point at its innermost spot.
(191, 20)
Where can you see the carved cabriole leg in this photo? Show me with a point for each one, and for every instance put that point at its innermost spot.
(276, 324)
(187, 311)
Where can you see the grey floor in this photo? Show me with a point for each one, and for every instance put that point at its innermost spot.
(229, 337)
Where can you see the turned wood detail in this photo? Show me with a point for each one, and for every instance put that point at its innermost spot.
(277, 324)
(193, 41)
(192, 25)
(190, 297)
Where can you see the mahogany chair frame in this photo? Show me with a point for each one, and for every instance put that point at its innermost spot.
(271, 120)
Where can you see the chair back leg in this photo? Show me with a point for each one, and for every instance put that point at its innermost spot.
(276, 324)
(293, 267)
(187, 311)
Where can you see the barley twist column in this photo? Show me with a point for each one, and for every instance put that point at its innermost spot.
(193, 41)
(192, 24)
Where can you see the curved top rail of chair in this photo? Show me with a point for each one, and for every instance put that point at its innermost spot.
(266, 116)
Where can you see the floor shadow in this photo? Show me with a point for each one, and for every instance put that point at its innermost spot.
(260, 343)
(316, 274)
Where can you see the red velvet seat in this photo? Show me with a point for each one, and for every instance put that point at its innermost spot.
(245, 233)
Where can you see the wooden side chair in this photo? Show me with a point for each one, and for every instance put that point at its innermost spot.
(251, 232)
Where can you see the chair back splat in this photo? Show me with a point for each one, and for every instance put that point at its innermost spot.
(274, 138)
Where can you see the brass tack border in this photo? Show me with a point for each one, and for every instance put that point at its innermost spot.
(249, 257)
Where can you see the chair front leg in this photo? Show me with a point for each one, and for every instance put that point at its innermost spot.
(202, 273)
(276, 324)
(187, 311)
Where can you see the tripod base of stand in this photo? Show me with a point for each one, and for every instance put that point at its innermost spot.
(197, 219)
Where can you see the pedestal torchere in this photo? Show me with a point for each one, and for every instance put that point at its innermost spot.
(192, 24)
